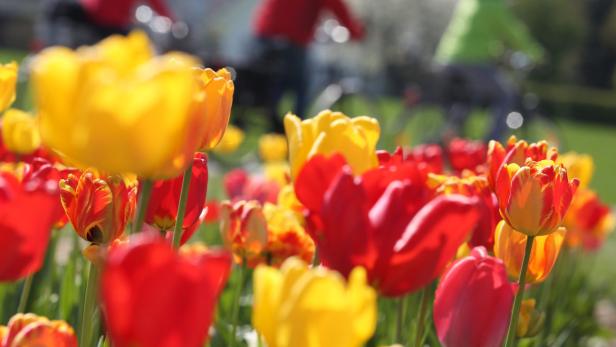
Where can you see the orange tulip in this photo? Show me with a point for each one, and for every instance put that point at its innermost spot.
(218, 91)
(515, 152)
(244, 230)
(29, 330)
(534, 198)
(98, 206)
(509, 246)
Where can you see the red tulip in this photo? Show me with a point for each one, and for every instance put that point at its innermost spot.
(239, 185)
(153, 296)
(165, 198)
(464, 154)
(429, 158)
(385, 220)
(472, 304)
(28, 210)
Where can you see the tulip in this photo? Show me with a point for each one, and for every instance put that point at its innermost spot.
(218, 88)
(464, 154)
(509, 247)
(477, 186)
(29, 330)
(515, 152)
(286, 236)
(534, 198)
(165, 198)
(20, 132)
(115, 107)
(429, 158)
(239, 185)
(332, 132)
(153, 296)
(385, 220)
(98, 206)
(8, 81)
(230, 141)
(473, 302)
(301, 307)
(23, 238)
(273, 148)
(531, 320)
(589, 221)
(580, 166)
(244, 230)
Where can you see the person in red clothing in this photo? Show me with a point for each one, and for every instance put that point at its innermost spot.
(74, 23)
(284, 29)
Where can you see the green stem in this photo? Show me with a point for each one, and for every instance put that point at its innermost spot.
(179, 219)
(515, 312)
(421, 316)
(235, 309)
(142, 205)
(25, 294)
(400, 319)
(89, 307)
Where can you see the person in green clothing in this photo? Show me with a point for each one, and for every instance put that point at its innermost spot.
(478, 35)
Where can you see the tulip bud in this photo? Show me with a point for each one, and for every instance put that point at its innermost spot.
(8, 81)
(531, 320)
(218, 88)
(534, 198)
(20, 132)
(509, 246)
(473, 301)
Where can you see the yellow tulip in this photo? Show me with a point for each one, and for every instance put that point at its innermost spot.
(273, 147)
(230, 141)
(8, 81)
(218, 88)
(301, 307)
(116, 107)
(333, 132)
(509, 246)
(20, 132)
(580, 166)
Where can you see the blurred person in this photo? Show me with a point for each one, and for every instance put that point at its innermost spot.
(283, 30)
(74, 23)
(478, 35)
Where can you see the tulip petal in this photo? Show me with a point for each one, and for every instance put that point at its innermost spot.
(429, 242)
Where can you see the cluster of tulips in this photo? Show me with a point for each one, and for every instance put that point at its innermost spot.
(118, 150)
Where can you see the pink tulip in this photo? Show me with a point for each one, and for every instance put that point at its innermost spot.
(473, 302)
